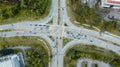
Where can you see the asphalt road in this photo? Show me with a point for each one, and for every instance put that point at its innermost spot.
(41, 28)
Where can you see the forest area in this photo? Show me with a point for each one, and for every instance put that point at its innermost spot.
(18, 10)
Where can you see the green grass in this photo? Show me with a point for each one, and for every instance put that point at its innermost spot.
(91, 52)
(66, 40)
(50, 22)
(17, 41)
(5, 30)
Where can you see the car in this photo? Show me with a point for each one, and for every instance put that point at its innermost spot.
(62, 8)
(67, 32)
(74, 37)
(54, 46)
(60, 37)
(35, 24)
(17, 32)
(47, 26)
(91, 40)
(78, 34)
(34, 33)
(85, 35)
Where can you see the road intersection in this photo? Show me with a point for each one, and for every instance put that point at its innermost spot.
(58, 31)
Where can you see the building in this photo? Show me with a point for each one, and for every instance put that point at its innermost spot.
(15, 60)
(111, 3)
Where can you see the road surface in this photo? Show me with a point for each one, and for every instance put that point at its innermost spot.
(58, 31)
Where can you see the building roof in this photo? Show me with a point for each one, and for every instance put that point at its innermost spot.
(6, 63)
(115, 4)
(114, 1)
(11, 61)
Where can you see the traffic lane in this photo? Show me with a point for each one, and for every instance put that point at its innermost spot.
(94, 34)
(95, 42)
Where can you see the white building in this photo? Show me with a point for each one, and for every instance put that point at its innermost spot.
(15, 60)
(111, 3)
